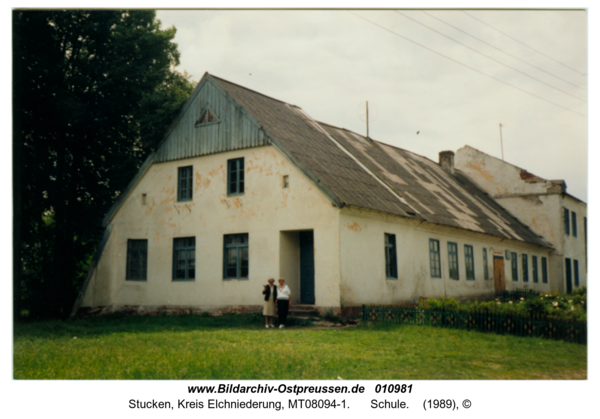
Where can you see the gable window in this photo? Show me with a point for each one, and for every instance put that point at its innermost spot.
(137, 260)
(574, 224)
(534, 267)
(286, 181)
(515, 266)
(567, 224)
(235, 256)
(453, 260)
(576, 271)
(525, 268)
(469, 262)
(486, 274)
(207, 118)
(235, 176)
(391, 266)
(434, 258)
(544, 270)
(184, 184)
(184, 259)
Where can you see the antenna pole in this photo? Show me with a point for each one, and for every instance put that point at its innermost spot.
(367, 119)
(501, 144)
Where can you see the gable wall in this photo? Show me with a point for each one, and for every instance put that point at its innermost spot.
(234, 131)
(263, 211)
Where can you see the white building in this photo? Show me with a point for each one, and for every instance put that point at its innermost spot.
(245, 187)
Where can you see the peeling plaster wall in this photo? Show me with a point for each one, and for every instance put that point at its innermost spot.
(363, 260)
(262, 211)
(536, 202)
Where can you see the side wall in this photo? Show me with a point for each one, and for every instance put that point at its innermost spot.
(264, 211)
(364, 279)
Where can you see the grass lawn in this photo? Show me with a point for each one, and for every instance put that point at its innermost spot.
(239, 347)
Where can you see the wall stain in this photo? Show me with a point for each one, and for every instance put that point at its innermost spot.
(354, 226)
(478, 167)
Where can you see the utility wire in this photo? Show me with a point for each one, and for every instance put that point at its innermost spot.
(464, 65)
(516, 40)
(504, 52)
(487, 56)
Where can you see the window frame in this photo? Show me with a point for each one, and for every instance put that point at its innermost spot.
(525, 267)
(534, 269)
(567, 222)
(469, 263)
(576, 273)
(544, 270)
(435, 264)
(486, 273)
(453, 261)
(142, 254)
(240, 181)
(185, 183)
(573, 223)
(391, 256)
(239, 258)
(514, 264)
(179, 245)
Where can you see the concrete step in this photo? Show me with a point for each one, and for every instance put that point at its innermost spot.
(303, 311)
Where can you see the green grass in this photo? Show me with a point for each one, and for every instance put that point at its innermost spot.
(238, 347)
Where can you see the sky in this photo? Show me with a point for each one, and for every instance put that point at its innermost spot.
(434, 79)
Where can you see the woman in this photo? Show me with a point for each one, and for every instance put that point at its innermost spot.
(270, 292)
(284, 301)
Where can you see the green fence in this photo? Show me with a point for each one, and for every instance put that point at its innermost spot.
(573, 331)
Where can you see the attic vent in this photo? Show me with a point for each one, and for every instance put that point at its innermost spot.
(206, 118)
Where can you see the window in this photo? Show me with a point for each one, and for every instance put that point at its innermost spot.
(235, 257)
(137, 260)
(525, 268)
(286, 181)
(544, 270)
(576, 271)
(534, 267)
(453, 260)
(184, 182)
(574, 224)
(469, 263)
(515, 266)
(184, 259)
(391, 266)
(486, 274)
(235, 176)
(567, 222)
(434, 258)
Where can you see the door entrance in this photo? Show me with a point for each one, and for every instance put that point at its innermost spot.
(499, 274)
(307, 268)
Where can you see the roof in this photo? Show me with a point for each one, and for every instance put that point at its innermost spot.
(373, 175)
(354, 170)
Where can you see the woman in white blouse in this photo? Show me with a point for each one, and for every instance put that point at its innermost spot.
(284, 301)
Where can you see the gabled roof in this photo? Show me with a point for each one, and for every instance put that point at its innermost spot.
(373, 175)
(358, 171)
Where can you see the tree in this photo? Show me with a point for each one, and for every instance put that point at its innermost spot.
(93, 93)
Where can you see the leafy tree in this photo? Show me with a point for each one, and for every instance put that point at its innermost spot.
(94, 91)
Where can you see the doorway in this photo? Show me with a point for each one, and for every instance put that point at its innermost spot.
(499, 274)
(307, 267)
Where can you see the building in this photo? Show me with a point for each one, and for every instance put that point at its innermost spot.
(543, 205)
(245, 187)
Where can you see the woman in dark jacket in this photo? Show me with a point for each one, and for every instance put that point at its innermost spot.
(270, 292)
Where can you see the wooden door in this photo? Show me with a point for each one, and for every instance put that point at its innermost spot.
(499, 274)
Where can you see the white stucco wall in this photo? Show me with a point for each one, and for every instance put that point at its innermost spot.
(263, 211)
(364, 278)
(536, 202)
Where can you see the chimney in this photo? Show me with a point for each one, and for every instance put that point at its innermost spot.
(447, 161)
